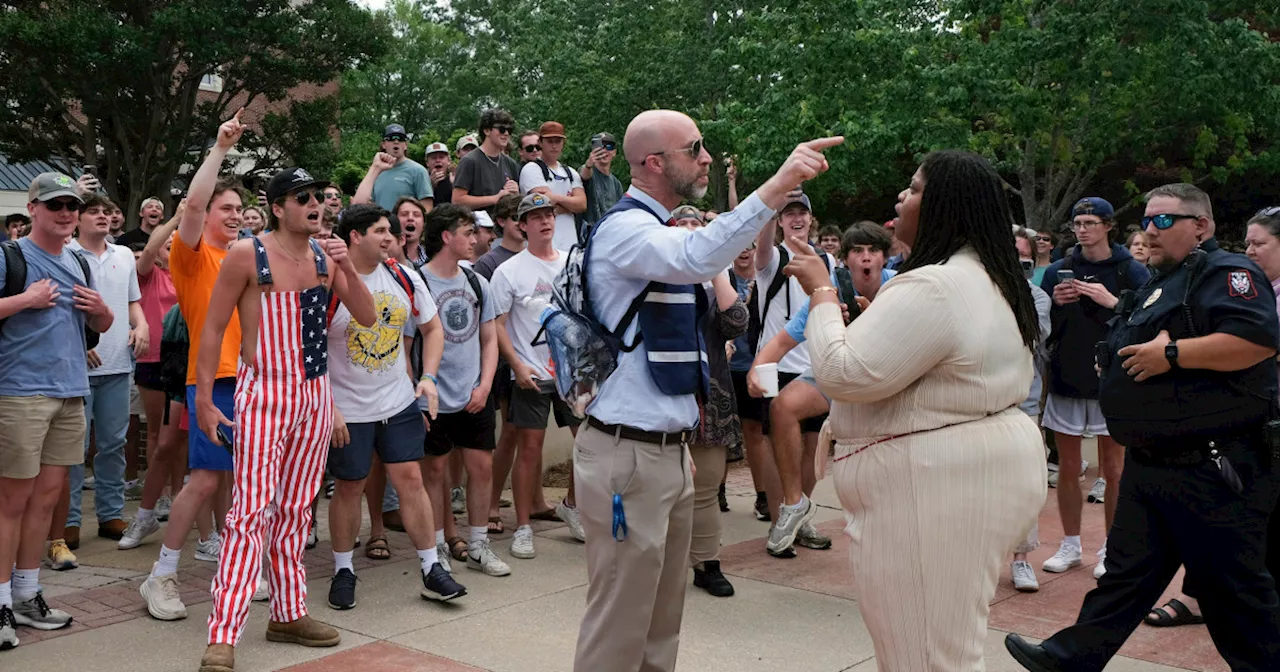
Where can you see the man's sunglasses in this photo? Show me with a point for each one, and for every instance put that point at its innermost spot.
(304, 196)
(694, 150)
(396, 138)
(504, 129)
(1163, 222)
(70, 204)
(533, 148)
(609, 146)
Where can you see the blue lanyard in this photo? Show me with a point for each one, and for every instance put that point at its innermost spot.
(619, 518)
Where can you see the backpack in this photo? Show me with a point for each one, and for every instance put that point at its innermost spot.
(402, 278)
(175, 345)
(15, 282)
(415, 350)
(584, 353)
(775, 286)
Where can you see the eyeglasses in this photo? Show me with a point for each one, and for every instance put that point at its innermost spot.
(533, 148)
(1268, 212)
(694, 150)
(304, 196)
(1163, 222)
(1084, 225)
(70, 204)
(504, 129)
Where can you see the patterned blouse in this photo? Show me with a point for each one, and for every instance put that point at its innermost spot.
(718, 413)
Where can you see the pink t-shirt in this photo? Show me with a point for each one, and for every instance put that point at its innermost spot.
(158, 296)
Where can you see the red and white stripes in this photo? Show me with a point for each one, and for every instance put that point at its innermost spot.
(283, 427)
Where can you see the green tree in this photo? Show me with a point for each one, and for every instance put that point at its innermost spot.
(117, 83)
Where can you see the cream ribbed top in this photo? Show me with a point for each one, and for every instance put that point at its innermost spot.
(938, 346)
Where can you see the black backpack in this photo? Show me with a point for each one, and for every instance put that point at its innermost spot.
(175, 345)
(779, 281)
(415, 350)
(15, 282)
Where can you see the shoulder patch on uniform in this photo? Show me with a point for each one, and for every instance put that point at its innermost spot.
(1240, 284)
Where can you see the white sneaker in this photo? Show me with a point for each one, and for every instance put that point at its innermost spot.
(1099, 491)
(138, 530)
(263, 593)
(1068, 556)
(571, 518)
(161, 596)
(444, 558)
(1100, 569)
(481, 557)
(88, 483)
(1024, 577)
(522, 543)
(458, 500)
(163, 505)
(208, 550)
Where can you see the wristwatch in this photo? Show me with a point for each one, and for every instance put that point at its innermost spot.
(1171, 353)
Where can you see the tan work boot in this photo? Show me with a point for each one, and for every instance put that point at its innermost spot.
(306, 631)
(219, 658)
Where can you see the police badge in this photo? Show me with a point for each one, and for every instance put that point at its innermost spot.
(1155, 296)
(1240, 284)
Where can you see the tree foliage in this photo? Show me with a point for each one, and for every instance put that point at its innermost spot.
(116, 83)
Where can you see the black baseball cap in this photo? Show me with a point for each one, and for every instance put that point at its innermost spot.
(291, 179)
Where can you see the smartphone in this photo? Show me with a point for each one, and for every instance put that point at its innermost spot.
(1066, 274)
(91, 169)
(1028, 267)
(225, 438)
(597, 142)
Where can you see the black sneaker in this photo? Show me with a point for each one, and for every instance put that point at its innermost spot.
(438, 584)
(8, 629)
(712, 580)
(762, 507)
(328, 489)
(724, 501)
(342, 590)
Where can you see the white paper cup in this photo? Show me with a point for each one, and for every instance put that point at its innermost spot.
(767, 374)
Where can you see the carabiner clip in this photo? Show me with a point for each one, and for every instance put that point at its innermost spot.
(619, 519)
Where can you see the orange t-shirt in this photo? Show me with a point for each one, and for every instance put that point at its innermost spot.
(193, 273)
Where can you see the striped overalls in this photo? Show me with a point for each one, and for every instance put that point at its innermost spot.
(284, 417)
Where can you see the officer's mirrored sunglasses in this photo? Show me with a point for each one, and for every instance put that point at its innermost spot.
(304, 196)
(1163, 222)
(1269, 212)
(70, 204)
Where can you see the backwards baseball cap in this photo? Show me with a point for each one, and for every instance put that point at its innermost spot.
(1095, 206)
(551, 129)
(393, 131)
(467, 141)
(437, 147)
(533, 202)
(483, 220)
(802, 199)
(48, 186)
(291, 179)
(686, 212)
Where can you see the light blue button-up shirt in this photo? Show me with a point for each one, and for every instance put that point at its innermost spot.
(629, 252)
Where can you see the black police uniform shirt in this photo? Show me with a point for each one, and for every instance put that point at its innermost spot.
(1228, 294)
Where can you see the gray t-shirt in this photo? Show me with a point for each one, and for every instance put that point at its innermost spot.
(407, 178)
(461, 316)
(53, 337)
(491, 260)
(479, 175)
(603, 192)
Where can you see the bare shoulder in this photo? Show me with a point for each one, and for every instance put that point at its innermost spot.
(240, 257)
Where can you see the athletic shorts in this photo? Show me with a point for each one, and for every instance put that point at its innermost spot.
(147, 376)
(396, 439)
(500, 392)
(462, 430)
(808, 425)
(529, 409)
(749, 407)
(203, 453)
(1074, 417)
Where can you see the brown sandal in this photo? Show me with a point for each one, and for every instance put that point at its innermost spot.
(457, 548)
(495, 525)
(377, 549)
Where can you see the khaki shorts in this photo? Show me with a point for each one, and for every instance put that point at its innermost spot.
(40, 430)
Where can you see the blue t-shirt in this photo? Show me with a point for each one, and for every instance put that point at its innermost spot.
(743, 353)
(407, 178)
(42, 350)
(795, 326)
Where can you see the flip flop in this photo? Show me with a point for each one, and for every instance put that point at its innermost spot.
(1161, 619)
(495, 525)
(377, 549)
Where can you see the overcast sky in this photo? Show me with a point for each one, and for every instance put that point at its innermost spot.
(373, 4)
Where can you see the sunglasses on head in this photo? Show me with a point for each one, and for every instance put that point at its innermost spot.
(533, 148)
(504, 129)
(70, 204)
(1163, 222)
(694, 150)
(1268, 212)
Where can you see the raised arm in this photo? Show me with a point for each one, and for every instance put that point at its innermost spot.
(351, 291)
(206, 178)
(364, 192)
(159, 236)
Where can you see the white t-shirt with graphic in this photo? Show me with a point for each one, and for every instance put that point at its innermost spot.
(367, 365)
(525, 275)
(461, 314)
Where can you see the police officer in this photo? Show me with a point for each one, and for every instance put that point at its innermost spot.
(1188, 383)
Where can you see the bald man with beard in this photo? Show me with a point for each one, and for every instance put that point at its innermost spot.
(631, 460)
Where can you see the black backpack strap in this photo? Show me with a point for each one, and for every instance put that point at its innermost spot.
(91, 337)
(15, 271)
(474, 281)
(776, 284)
